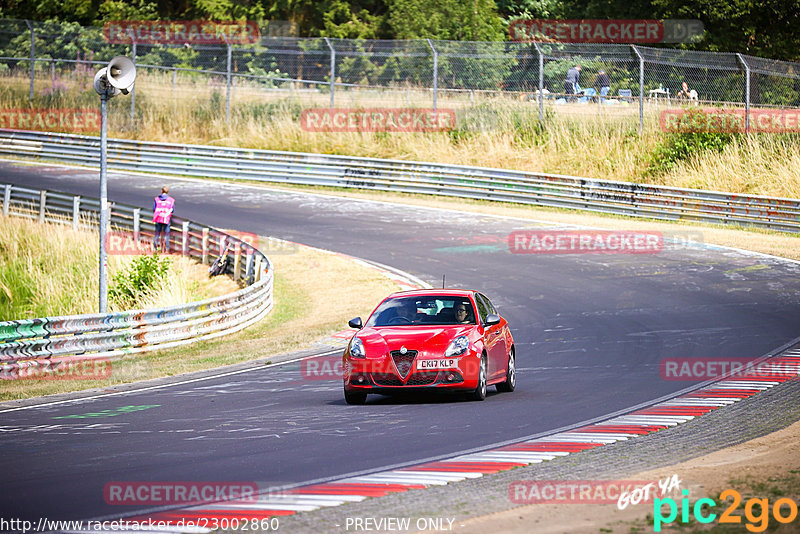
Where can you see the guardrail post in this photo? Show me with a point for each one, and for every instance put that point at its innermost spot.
(746, 92)
(42, 205)
(257, 268)
(541, 82)
(7, 200)
(435, 73)
(237, 261)
(76, 211)
(333, 69)
(205, 246)
(250, 264)
(136, 220)
(641, 87)
(185, 238)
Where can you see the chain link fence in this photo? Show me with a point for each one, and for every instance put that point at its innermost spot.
(340, 72)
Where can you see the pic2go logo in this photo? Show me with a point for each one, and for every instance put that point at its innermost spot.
(784, 511)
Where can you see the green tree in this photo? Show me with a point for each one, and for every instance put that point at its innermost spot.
(456, 20)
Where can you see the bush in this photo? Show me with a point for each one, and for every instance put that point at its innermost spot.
(680, 146)
(143, 276)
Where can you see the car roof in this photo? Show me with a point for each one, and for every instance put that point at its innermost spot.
(433, 291)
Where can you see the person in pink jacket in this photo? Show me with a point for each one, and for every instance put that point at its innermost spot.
(163, 206)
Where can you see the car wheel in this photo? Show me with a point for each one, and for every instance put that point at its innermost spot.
(480, 391)
(354, 397)
(511, 375)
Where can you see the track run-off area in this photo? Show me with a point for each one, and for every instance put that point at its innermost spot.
(591, 332)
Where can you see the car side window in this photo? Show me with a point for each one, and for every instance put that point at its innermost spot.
(489, 305)
(483, 311)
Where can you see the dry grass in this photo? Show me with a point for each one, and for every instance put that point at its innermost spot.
(315, 294)
(50, 269)
(581, 140)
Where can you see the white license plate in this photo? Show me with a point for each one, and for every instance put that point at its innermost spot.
(448, 363)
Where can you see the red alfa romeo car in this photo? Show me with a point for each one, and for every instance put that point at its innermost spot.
(432, 338)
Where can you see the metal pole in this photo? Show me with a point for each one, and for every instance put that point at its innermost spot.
(7, 200)
(746, 92)
(641, 87)
(435, 73)
(228, 92)
(103, 200)
(42, 205)
(333, 70)
(33, 55)
(541, 82)
(133, 89)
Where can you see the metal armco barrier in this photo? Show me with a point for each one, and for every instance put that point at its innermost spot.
(624, 198)
(49, 342)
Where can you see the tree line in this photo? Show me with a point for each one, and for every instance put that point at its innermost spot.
(766, 28)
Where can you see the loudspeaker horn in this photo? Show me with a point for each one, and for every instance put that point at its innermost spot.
(121, 73)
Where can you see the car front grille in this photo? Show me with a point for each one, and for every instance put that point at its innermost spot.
(422, 379)
(404, 362)
(385, 379)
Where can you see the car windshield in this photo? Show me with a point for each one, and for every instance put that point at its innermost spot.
(425, 310)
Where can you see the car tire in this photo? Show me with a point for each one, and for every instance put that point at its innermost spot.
(511, 375)
(355, 397)
(479, 393)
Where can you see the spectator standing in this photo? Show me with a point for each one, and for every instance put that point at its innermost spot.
(571, 83)
(685, 92)
(163, 206)
(602, 84)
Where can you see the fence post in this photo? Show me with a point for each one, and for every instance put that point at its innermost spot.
(541, 82)
(136, 220)
(42, 205)
(435, 73)
(641, 87)
(7, 200)
(237, 261)
(250, 265)
(205, 246)
(257, 270)
(185, 238)
(228, 84)
(33, 55)
(746, 92)
(333, 69)
(174, 75)
(53, 71)
(76, 211)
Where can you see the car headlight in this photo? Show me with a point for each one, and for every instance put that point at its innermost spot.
(357, 348)
(458, 346)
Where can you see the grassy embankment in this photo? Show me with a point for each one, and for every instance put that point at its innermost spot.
(581, 140)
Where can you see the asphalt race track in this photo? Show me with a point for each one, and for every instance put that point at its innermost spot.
(590, 332)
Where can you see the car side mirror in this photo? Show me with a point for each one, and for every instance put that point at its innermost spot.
(492, 319)
(355, 323)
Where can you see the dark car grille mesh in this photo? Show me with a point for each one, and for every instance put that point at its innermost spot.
(404, 362)
(383, 379)
(422, 379)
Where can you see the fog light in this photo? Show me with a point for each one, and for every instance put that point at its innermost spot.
(451, 377)
(360, 379)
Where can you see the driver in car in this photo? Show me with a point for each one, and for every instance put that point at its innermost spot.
(461, 314)
(407, 314)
